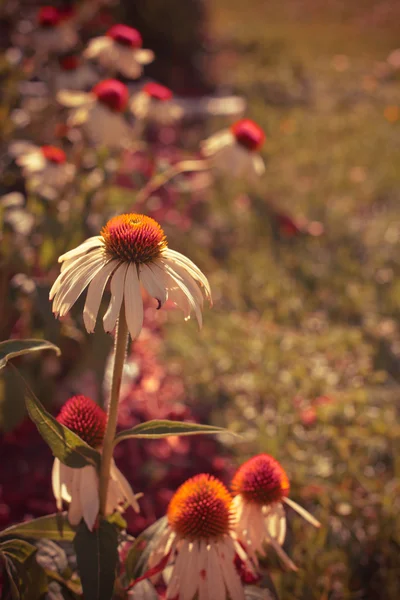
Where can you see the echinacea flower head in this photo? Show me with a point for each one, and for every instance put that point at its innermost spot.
(120, 50)
(53, 33)
(73, 74)
(45, 167)
(131, 251)
(80, 487)
(99, 112)
(200, 543)
(155, 104)
(260, 486)
(235, 150)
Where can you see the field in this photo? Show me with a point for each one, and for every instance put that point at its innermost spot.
(300, 353)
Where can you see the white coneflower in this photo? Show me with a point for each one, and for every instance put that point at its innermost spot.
(73, 74)
(45, 167)
(53, 34)
(234, 150)
(260, 487)
(120, 50)
(130, 250)
(200, 543)
(99, 113)
(80, 487)
(154, 104)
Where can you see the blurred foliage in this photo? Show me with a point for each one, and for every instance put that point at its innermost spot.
(300, 353)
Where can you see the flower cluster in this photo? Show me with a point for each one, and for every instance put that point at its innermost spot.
(121, 263)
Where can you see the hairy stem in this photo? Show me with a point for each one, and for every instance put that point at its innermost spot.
(121, 339)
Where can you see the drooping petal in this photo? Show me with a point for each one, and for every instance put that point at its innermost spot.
(91, 242)
(189, 577)
(182, 285)
(144, 56)
(66, 300)
(74, 99)
(123, 483)
(215, 581)
(66, 478)
(117, 294)
(89, 495)
(153, 283)
(232, 581)
(202, 571)
(302, 512)
(75, 508)
(219, 140)
(97, 45)
(133, 302)
(190, 267)
(67, 277)
(56, 483)
(95, 294)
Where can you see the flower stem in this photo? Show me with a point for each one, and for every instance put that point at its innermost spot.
(121, 339)
(185, 166)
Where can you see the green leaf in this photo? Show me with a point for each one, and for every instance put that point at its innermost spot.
(17, 550)
(97, 557)
(27, 579)
(163, 428)
(12, 348)
(253, 592)
(138, 555)
(65, 445)
(52, 527)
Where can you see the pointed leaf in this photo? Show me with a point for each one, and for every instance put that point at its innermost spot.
(97, 556)
(253, 592)
(138, 555)
(52, 527)
(164, 428)
(26, 578)
(17, 550)
(69, 448)
(12, 348)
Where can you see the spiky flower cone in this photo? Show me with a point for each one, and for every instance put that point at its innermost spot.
(260, 486)
(80, 487)
(200, 544)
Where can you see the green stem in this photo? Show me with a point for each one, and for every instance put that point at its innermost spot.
(121, 340)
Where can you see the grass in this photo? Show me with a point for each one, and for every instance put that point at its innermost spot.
(301, 351)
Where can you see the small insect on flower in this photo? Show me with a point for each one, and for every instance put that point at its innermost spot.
(45, 167)
(53, 33)
(130, 250)
(99, 113)
(234, 151)
(155, 104)
(120, 51)
(260, 486)
(80, 487)
(73, 74)
(200, 543)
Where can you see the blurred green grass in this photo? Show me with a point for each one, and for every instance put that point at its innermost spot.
(300, 318)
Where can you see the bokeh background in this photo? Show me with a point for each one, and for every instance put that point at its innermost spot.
(301, 351)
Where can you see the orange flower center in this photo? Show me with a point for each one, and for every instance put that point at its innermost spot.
(261, 480)
(134, 238)
(200, 509)
(85, 418)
